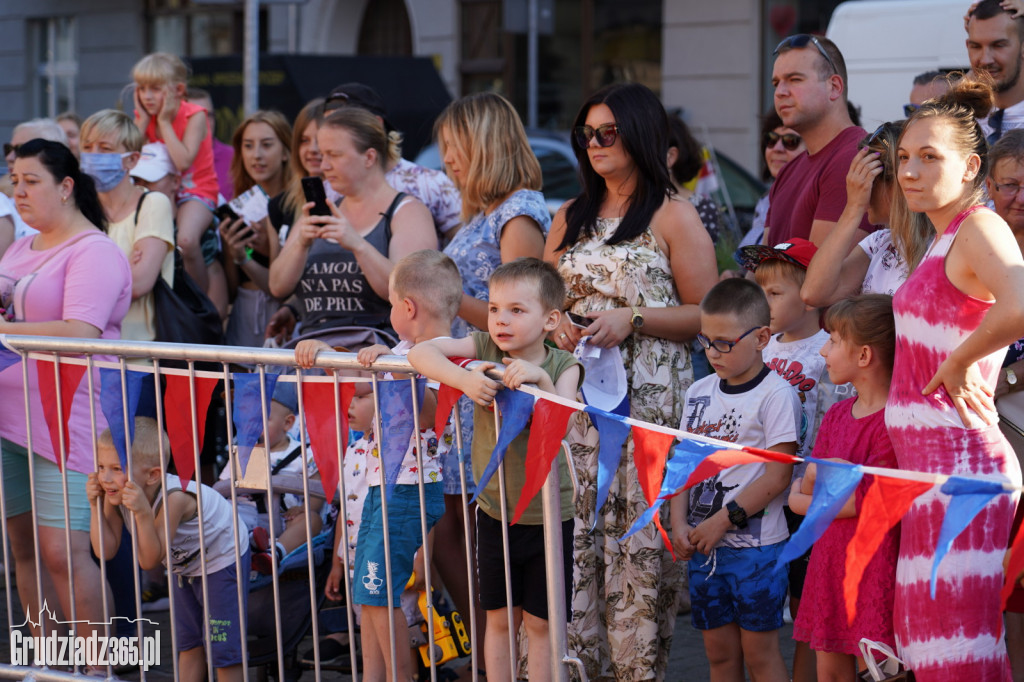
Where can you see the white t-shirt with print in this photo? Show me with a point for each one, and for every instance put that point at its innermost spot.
(761, 413)
(886, 272)
(436, 448)
(801, 365)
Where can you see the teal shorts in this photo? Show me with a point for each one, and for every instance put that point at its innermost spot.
(49, 489)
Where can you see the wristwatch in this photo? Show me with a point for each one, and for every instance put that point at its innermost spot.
(1011, 376)
(737, 514)
(638, 318)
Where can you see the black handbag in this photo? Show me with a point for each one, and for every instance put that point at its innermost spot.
(183, 313)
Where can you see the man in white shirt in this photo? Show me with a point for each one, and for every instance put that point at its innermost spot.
(995, 45)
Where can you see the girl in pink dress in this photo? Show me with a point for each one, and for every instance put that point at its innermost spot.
(860, 349)
(954, 316)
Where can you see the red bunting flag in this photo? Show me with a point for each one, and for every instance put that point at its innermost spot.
(550, 421)
(70, 378)
(723, 459)
(1014, 567)
(178, 416)
(650, 450)
(447, 397)
(884, 504)
(318, 403)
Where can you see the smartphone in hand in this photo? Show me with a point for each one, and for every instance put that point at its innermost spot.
(313, 189)
(224, 213)
(579, 320)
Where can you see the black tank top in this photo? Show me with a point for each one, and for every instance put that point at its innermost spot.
(333, 292)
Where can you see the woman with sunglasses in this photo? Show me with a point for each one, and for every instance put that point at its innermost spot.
(637, 262)
(955, 315)
(842, 268)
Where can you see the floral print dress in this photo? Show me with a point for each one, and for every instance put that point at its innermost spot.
(625, 594)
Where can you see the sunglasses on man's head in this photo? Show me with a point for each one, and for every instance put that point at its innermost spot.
(909, 109)
(801, 40)
(11, 148)
(791, 141)
(606, 135)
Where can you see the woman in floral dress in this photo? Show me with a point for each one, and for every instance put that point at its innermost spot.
(637, 261)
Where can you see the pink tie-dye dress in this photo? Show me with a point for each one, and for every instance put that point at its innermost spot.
(955, 636)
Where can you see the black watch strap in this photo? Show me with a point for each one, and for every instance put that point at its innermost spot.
(737, 514)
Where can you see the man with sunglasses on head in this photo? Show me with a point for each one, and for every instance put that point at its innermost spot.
(995, 45)
(809, 195)
(927, 85)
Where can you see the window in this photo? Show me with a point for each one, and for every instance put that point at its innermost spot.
(54, 65)
(190, 29)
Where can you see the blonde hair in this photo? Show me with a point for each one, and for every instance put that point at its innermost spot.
(116, 123)
(866, 320)
(432, 280)
(146, 444)
(486, 130)
(294, 198)
(240, 178)
(160, 68)
(967, 100)
(776, 268)
(367, 133)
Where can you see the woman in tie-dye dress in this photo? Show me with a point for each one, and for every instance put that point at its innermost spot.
(955, 315)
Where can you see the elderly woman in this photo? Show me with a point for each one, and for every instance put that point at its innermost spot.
(68, 280)
(338, 265)
(637, 262)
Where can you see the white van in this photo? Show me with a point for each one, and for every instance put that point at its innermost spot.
(888, 42)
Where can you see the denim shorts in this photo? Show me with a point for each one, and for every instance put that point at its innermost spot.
(49, 489)
(404, 538)
(738, 585)
(226, 627)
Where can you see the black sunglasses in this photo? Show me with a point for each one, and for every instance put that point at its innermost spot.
(11, 148)
(801, 40)
(909, 109)
(791, 141)
(876, 137)
(606, 135)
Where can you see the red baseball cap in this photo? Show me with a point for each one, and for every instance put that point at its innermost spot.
(796, 251)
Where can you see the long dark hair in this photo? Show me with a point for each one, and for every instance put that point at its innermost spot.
(643, 132)
(61, 163)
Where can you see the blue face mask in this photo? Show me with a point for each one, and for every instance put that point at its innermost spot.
(106, 170)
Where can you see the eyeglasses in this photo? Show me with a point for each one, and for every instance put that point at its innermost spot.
(801, 40)
(721, 345)
(11, 148)
(791, 141)
(909, 109)
(606, 135)
(1007, 190)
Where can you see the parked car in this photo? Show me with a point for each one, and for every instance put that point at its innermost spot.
(561, 182)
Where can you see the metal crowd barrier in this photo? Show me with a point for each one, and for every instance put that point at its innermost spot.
(148, 357)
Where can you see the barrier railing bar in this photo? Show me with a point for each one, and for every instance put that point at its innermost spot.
(382, 477)
(467, 529)
(503, 499)
(308, 516)
(32, 492)
(136, 591)
(165, 459)
(420, 445)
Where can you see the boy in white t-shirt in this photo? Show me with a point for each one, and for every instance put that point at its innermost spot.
(731, 527)
(425, 290)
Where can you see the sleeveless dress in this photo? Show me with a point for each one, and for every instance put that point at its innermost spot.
(625, 595)
(955, 636)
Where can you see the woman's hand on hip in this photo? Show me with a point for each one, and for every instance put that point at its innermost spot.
(966, 389)
(610, 327)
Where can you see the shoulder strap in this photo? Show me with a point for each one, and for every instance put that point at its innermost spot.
(138, 207)
(288, 459)
(390, 213)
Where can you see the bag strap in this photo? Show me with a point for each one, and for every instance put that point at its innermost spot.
(390, 213)
(288, 459)
(138, 206)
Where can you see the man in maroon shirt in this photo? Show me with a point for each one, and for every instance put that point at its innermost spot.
(809, 195)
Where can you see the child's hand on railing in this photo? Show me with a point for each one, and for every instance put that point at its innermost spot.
(368, 355)
(134, 499)
(306, 352)
(93, 489)
(478, 387)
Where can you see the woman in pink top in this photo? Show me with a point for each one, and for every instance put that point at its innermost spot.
(955, 315)
(68, 280)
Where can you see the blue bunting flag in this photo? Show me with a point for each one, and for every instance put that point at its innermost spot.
(114, 406)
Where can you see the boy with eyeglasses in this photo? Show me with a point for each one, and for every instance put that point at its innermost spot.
(731, 527)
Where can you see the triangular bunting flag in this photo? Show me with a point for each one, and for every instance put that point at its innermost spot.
(613, 432)
(70, 378)
(516, 408)
(686, 456)
(178, 417)
(246, 413)
(650, 450)
(723, 459)
(397, 425)
(882, 507)
(447, 397)
(8, 358)
(318, 403)
(114, 407)
(969, 496)
(550, 421)
(834, 484)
